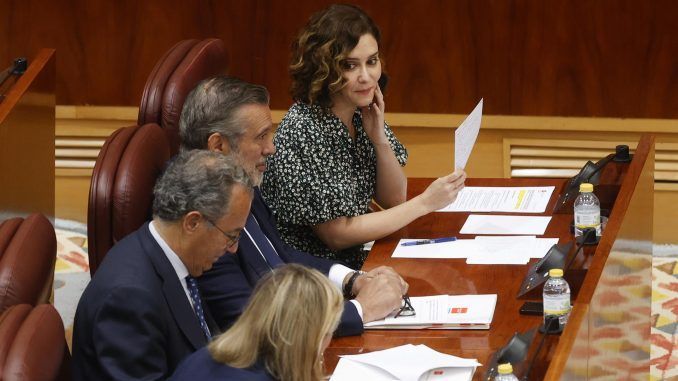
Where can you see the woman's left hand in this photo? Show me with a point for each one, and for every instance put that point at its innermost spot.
(373, 119)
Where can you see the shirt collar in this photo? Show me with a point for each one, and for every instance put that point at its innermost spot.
(177, 264)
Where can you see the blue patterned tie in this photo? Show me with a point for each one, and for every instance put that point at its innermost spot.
(192, 286)
(262, 242)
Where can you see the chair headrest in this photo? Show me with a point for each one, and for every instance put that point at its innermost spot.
(10, 323)
(27, 262)
(121, 193)
(173, 77)
(37, 350)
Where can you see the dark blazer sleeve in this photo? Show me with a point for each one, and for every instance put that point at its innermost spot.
(128, 336)
(350, 324)
(226, 290)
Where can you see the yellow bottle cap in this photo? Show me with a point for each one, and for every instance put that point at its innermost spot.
(586, 187)
(505, 368)
(556, 273)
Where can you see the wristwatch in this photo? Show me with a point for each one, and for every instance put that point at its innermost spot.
(348, 287)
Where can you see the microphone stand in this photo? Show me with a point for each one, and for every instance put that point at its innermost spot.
(548, 330)
(586, 239)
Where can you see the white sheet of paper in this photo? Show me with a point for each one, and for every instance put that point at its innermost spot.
(465, 136)
(501, 199)
(349, 370)
(502, 250)
(443, 250)
(494, 224)
(406, 362)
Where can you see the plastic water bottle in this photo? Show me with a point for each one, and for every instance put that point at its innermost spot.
(556, 297)
(586, 210)
(505, 373)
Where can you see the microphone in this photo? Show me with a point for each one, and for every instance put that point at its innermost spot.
(514, 352)
(536, 275)
(556, 258)
(590, 173)
(18, 67)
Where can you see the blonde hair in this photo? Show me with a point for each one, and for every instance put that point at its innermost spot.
(290, 313)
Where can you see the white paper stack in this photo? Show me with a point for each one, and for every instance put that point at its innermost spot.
(404, 363)
(443, 312)
(486, 250)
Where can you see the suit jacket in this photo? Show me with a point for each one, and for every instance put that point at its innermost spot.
(228, 285)
(134, 320)
(201, 366)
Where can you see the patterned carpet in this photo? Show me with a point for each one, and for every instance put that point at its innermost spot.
(72, 275)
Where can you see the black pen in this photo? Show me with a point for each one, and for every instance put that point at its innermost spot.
(428, 241)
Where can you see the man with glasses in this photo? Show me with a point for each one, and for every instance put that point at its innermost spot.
(142, 312)
(231, 116)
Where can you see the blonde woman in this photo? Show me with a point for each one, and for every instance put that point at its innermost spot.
(280, 336)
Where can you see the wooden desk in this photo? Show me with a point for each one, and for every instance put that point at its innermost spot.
(454, 276)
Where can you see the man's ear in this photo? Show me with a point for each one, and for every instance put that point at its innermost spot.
(191, 221)
(218, 143)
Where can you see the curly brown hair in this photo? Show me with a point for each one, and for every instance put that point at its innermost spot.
(321, 48)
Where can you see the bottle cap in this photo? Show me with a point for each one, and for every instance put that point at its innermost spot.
(586, 187)
(505, 368)
(556, 273)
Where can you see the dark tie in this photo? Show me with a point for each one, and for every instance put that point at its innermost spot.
(192, 286)
(262, 242)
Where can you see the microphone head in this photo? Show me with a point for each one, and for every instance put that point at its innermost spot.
(20, 66)
(621, 154)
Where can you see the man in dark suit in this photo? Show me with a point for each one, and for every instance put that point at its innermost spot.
(231, 116)
(142, 313)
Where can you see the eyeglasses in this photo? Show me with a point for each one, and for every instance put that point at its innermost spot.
(406, 309)
(232, 239)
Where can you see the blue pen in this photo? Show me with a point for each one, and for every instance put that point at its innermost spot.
(428, 241)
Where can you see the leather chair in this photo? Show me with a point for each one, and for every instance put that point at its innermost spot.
(32, 344)
(121, 192)
(120, 196)
(173, 77)
(27, 257)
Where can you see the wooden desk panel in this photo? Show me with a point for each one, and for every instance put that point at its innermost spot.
(27, 141)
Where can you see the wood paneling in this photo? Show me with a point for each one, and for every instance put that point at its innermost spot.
(27, 141)
(615, 58)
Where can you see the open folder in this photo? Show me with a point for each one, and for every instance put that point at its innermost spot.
(443, 312)
(405, 363)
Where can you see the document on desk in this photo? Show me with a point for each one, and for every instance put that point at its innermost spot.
(501, 250)
(500, 224)
(443, 312)
(406, 363)
(508, 250)
(465, 136)
(501, 199)
(485, 250)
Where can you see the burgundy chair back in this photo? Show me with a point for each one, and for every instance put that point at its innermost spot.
(173, 77)
(27, 257)
(121, 192)
(32, 344)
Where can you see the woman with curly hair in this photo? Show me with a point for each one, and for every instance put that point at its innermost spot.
(334, 152)
(281, 335)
